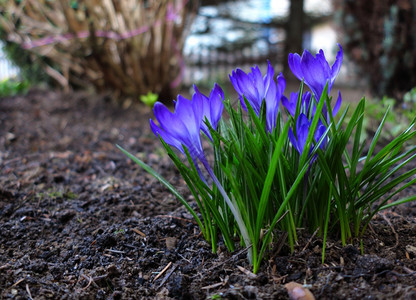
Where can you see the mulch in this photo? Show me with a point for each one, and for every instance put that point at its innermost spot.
(79, 220)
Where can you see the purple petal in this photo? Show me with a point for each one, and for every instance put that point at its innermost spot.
(269, 75)
(302, 131)
(326, 69)
(182, 126)
(190, 113)
(185, 113)
(249, 90)
(170, 140)
(233, 79)
(313, 73)
(168, 121)
(196, 111)
(302, 121)
(216, 99)
(272, 106)
(290, 105)
(320, 130)
(273, 95)
(258, 82)
(293, 140)
(336, 67)
(281, 83)
(306, 99)
(204, 100)
(202, 103)
(244, 85)
(294, 65)
(337, 104)
(316, 71)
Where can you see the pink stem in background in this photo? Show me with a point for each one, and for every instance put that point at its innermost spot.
(170, 16)
(177, 81)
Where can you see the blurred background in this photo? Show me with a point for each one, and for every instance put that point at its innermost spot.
(154, 49)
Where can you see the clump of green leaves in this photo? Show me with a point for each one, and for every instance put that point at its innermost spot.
(409, 104)
(336, 191)
(277, 170)
(401, 114)
(12, 86)
(149, 99)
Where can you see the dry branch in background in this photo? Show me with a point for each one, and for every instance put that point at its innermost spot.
(130, 46)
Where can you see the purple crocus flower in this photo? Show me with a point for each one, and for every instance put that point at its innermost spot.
(302, 130)
(253, 86)
(315, 71)
(256, 88)
(291, 104)
(181, 127)
(212, 107)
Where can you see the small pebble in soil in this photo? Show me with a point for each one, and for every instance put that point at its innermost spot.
(411, 250)
(250, 292)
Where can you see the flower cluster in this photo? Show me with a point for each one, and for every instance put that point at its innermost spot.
(257, 89)
(284, 166)
(182, 128)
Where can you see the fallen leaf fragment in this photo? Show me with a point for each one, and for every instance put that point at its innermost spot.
(18, 282)
(171, 242)
(212, 286)
(297, 291)
(247, 272)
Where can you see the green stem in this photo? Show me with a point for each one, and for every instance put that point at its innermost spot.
(234, 209)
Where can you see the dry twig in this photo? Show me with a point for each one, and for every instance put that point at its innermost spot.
(163, 271)
(392, 229)
(28, 291)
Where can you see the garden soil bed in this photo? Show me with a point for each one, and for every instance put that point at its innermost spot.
(79, 220)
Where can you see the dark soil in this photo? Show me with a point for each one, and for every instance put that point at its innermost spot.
(79, 220)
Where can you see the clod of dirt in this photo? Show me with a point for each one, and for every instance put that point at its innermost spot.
(66, 215)
(38, 267)
(178, 287)
(371, 264)
(112, 270)
(5, 195)
(106, 240)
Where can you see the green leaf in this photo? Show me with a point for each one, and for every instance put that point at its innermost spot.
(269, 180)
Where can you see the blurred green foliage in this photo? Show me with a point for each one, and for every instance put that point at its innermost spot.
(11, 87)
(409, 104)
(31, 66)
(402, 113)
(149, 99)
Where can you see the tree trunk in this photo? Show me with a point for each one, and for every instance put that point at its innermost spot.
(294, 34)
